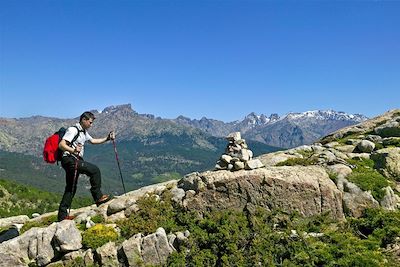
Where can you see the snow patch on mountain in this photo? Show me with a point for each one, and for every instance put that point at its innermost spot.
(326, 115)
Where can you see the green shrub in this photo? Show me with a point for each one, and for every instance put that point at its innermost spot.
(380, 123)
(378, 146)
(392, 142)
(98, 218)
(346, 137)
(232, 238)
(2, 193)
(297, 161)
(333, 176)
(153, 213)
(217, 239)
(379, 225)
(98, 235)
(344, 249)
(306, 160)
(337, 247)
(367, 178)
(305, 153)
(77, 262)
(44, 222)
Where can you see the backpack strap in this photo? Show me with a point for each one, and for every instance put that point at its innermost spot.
(77, 135)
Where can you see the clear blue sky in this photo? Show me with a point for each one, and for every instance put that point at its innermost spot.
(218, 59)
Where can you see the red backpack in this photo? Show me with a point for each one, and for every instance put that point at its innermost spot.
(51, 152)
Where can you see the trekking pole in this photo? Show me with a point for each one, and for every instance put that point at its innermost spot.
(119, 167)
(74, 181)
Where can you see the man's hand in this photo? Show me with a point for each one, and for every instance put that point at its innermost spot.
(111, 136)
(78, 149)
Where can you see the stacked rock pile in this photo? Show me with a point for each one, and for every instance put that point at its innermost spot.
(237, 155)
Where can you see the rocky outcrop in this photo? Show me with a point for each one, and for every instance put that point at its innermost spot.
(272, 159)
(107, 255)
(152, 249)
(155, 248)
(387, 161)
(40, 245)
(20, 219)
(132, 250)
(307, 190)
(390, 201)
(60, 243)
(355, 200)
(356, 143)
(365, 146)
(389, 129)
(361, 128)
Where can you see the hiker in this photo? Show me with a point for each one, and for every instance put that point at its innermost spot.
(73, 163)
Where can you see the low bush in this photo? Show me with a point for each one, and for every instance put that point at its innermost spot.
(44, 222)
(98, 218)
(77, 262)
(345, 138)
(377, 225)
(98, 235)
(153, 213)
(367, 178)
(333, 176)
(379, 146)
(297, 161)
(231, 238)
(392, 142)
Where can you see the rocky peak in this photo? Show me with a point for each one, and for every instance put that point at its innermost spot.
(273, 117)
(264, 119)
(149, 116)
(119, 109)
(183, 119)
(253, 119)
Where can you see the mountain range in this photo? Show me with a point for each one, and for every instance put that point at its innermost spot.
(290, 130)
(152, 149)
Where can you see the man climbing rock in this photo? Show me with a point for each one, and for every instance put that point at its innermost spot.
(72, 145)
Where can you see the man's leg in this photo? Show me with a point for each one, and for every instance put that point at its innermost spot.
(68, 163)
(93, 172)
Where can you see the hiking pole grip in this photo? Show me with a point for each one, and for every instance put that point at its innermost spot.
(119, 167)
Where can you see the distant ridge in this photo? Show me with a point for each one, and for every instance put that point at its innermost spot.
(290, 130)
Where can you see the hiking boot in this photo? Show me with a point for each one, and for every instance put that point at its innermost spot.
(103, 199)
(68, 218)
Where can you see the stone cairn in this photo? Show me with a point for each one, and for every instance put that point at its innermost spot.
(237, 155)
